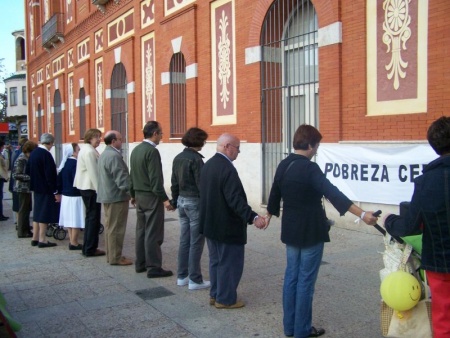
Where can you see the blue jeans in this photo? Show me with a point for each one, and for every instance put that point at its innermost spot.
(191, 241)
(298, 290)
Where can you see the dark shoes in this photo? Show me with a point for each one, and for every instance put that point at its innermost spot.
(97, 252)
(3, 218)
(157, 273)
(34, 243)
(316, 332)
(139, 270)
(75, 247)
(45, 245)
(26, 236)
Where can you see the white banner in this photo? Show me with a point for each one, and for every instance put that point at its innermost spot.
(374, 174)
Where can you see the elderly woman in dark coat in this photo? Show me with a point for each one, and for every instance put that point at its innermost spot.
(42, 170)
(22, 189)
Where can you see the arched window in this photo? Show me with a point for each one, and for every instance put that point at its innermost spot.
(177, 95)
(20, 49)
(119, 105)
(82, 110)
(58, 119)
(289, 79)
(39, 120)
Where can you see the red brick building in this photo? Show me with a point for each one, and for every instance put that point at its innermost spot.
(364, 71)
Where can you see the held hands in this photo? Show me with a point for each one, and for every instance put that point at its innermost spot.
(168, 206)
(261, 222)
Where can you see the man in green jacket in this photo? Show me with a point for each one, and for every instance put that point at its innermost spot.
(149, 197)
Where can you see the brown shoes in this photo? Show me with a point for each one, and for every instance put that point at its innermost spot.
(123, 261)
(212, 301)
(236, 305)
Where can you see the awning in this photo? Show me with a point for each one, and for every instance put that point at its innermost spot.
(4, 128)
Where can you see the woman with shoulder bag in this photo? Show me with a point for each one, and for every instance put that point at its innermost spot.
(22, 189)
(304, 227)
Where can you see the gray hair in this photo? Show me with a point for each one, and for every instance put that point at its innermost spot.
(47, 138)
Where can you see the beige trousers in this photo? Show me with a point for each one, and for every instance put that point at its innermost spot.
(116, 215)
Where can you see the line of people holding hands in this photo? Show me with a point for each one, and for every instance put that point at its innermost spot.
(211, 203)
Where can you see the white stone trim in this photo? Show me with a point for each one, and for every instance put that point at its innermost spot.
(192, 71)
(117, 54)
(331, 34)
(131, 87)
(165, 78)
(253, 55)
(176, 44)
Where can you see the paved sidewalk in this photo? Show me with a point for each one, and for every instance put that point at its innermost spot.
(54, 292)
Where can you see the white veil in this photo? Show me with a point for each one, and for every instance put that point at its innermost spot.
(67, 152)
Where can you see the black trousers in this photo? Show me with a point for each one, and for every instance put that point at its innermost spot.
(23, 220)
(92, 221)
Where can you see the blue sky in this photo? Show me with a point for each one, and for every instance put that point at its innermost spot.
(11, 19)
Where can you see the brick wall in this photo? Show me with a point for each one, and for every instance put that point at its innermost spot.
(342, 70)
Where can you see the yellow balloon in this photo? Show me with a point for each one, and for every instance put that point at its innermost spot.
(400, 290)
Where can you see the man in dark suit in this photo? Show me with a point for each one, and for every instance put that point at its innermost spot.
(224, 215)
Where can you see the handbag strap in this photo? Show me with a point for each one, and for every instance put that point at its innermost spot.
(406, 253)
(425, 285)
(288, 167)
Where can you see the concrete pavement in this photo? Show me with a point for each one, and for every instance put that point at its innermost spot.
(54, 292)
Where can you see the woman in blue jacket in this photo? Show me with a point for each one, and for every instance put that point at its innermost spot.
(301, 184)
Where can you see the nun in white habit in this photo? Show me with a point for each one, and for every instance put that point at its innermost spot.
(72, 212)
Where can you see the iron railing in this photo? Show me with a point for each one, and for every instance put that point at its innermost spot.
(53, 31)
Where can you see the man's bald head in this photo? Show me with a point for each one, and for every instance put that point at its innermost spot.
(228, 145)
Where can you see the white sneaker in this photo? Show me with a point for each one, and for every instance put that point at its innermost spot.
(182, 281)
(197, 286)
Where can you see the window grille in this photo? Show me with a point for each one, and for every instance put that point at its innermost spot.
(177, 96)
(39, 120)
(58, 119)
(82, 110)
(289, 79)
(119, 105)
